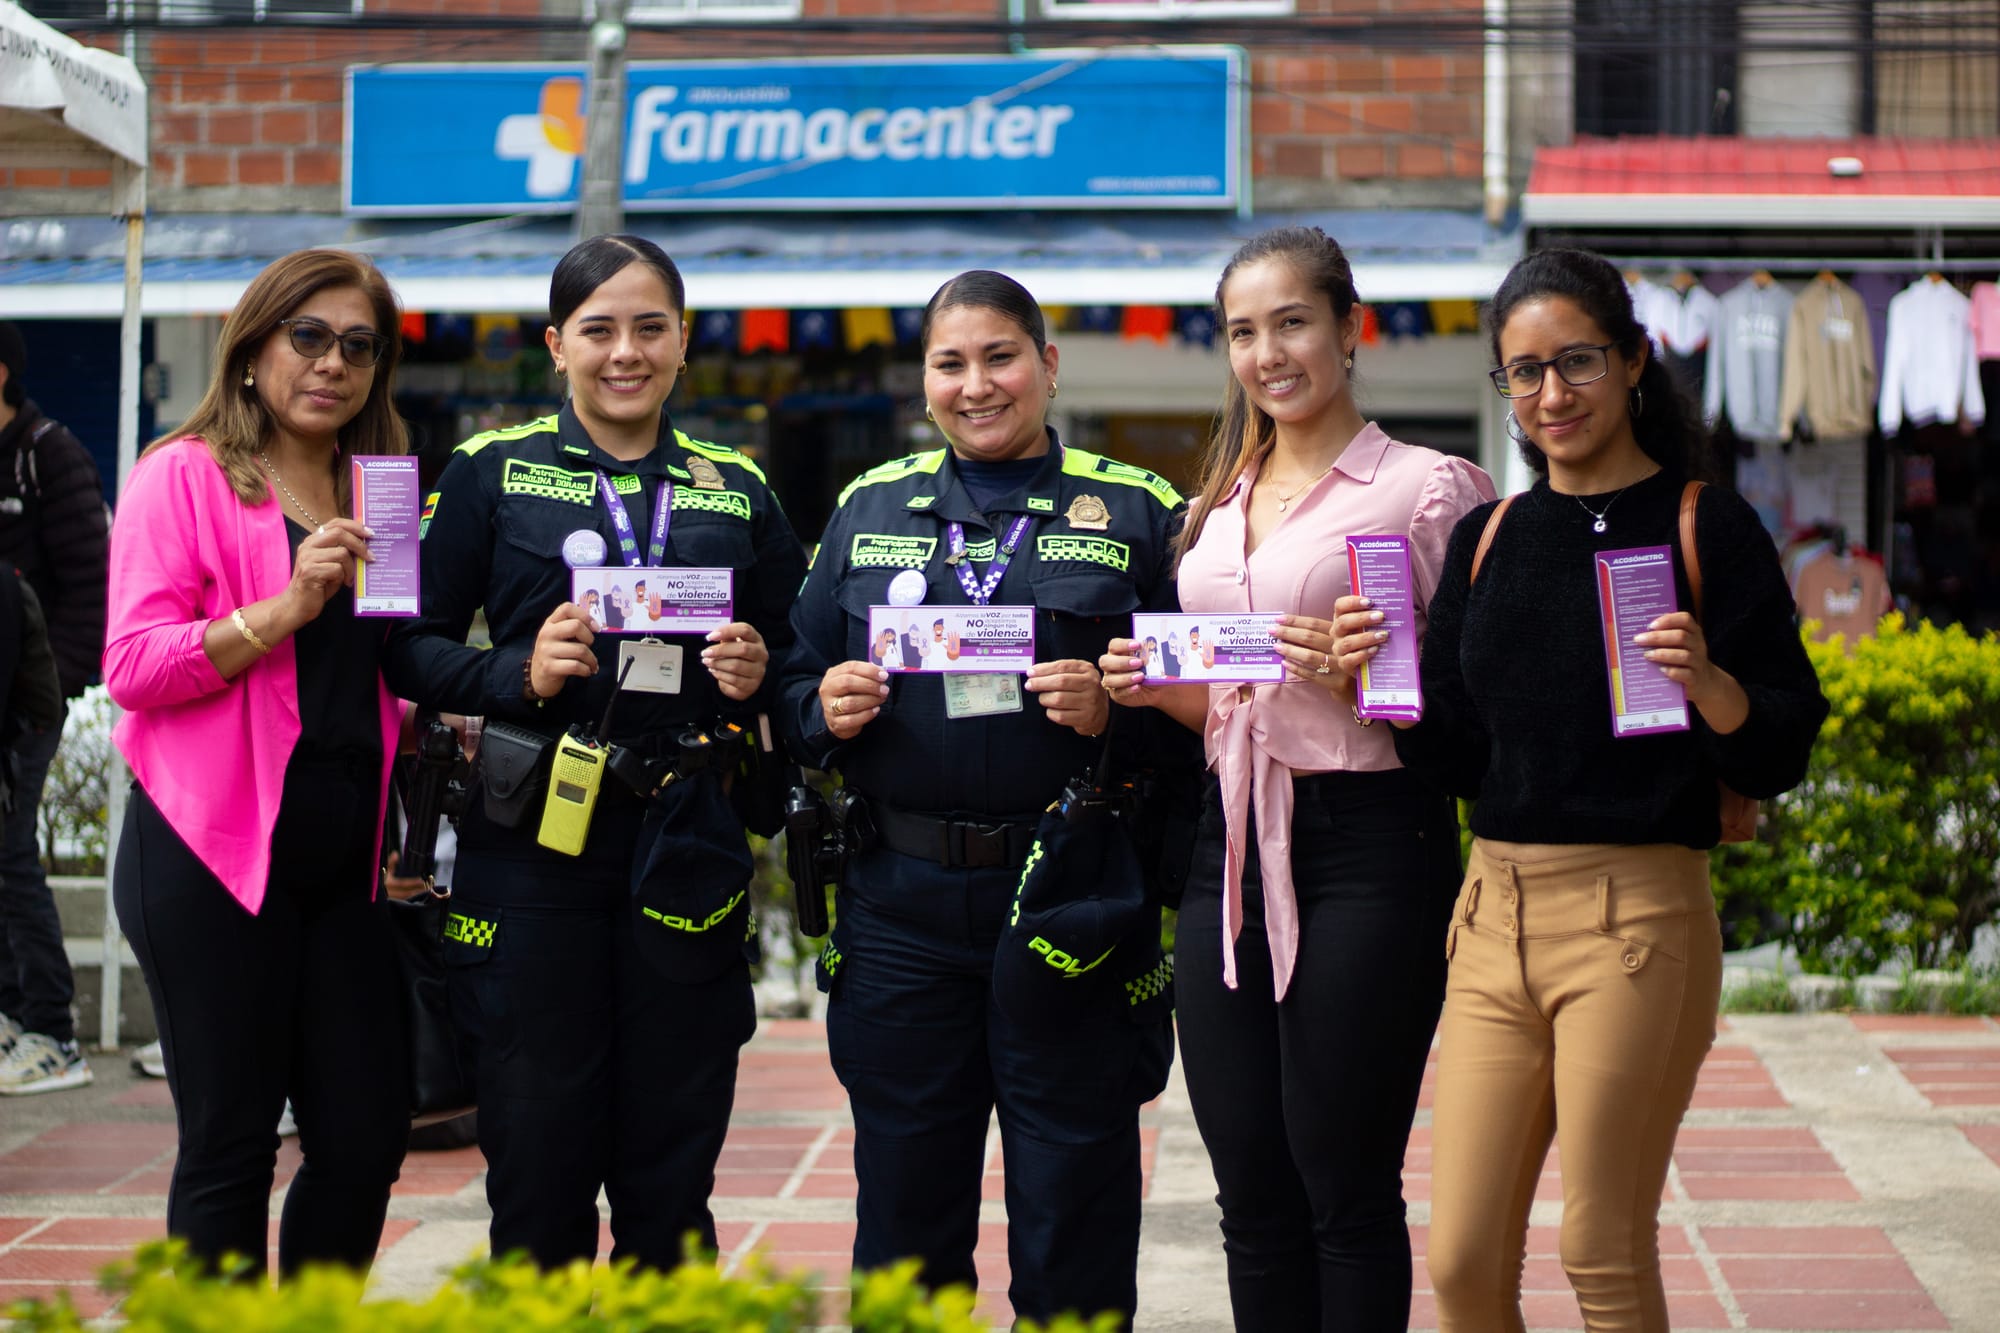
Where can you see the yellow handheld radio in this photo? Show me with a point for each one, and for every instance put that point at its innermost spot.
(576, 778)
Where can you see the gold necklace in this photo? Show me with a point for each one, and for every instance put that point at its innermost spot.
(1284, 500)
(272, 469)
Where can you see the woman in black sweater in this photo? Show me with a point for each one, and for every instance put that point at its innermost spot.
(1586, 956)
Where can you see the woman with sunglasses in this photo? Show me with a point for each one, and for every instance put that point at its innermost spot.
(1586, 959)
(260, 737)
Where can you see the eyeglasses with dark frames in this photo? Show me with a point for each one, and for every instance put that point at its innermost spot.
(1578, 366)
(360, 348)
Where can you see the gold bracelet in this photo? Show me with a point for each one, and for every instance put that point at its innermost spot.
(243, 628)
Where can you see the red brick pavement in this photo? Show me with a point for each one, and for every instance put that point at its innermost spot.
(1827, 1279)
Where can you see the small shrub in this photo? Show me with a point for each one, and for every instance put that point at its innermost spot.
(161, 1295)
(76, 798)
(1889, 849)
(1760, 993)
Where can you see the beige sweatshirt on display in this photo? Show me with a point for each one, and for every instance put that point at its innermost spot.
(1830, 374)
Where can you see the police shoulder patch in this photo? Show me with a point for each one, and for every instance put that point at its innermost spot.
(424, 519)
(1096, 467)
(926, 463)
(539, 426)
(717, 453)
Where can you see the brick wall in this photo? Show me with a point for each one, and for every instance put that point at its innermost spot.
(252, 119)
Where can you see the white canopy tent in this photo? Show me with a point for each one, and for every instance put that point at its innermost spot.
(67, 105)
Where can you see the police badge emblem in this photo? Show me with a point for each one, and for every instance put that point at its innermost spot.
(706, 475)
(1088, 512)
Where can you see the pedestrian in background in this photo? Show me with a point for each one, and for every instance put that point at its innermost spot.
(954, 770)
(605, 1024)
(52, 529)
(1586, 959)
(260, 737)
(1309, 976)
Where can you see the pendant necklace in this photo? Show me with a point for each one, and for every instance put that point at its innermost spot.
(1600, 525)
(1284, 500)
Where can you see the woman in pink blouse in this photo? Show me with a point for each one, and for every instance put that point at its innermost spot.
(1310, 944)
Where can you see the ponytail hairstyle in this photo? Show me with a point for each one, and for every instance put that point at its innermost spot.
(1243, 432)
(1669, 429)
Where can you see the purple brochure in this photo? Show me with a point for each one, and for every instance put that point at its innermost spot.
(952, 638)
(387, 501)
(1634, 588)
(630, 599)
(1230, 648)
(1388, 684)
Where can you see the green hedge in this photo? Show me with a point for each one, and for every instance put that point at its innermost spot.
(1889, 851)
(513, 1296)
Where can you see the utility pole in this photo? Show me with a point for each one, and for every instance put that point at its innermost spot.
(600, 203)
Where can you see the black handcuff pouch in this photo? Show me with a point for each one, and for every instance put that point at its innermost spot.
(514, 765)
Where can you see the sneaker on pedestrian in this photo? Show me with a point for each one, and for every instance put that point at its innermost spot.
(10, 1032)
(150, 1060)
(40, 1063)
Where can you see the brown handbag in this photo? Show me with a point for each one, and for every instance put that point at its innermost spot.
(1738, 812)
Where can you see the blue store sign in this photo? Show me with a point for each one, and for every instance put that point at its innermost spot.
(1083, 129)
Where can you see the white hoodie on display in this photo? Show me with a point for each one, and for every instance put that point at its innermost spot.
(1930, 371)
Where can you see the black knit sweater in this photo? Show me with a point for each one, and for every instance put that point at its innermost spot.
(1517, 708)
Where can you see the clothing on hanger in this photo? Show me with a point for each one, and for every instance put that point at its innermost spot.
(1829, 379)
(1985, 302)
(1929, 369)
(1746, 360)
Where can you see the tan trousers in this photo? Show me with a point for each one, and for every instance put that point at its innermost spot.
(1580, 1004)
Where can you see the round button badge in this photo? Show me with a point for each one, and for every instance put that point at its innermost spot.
(584, 548)
(908, 588)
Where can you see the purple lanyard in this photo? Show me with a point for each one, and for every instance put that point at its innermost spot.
(980, 591)
(628, 545)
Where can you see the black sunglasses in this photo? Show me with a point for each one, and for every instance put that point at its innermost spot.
(358, 348)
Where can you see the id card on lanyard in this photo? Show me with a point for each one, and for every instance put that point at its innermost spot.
(982, 694)
(643, 595)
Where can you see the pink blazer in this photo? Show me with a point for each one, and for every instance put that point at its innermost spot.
(211, 753)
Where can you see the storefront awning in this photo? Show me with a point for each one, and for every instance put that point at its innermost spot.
(68, 267)
(1732, 182)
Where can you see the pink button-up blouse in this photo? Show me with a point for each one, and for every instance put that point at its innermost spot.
(1254, 744)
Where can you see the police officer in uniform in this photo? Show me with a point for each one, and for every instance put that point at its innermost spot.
(954, 770)
(600, 1060)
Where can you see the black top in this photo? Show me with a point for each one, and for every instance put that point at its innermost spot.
(52, 528)
(339, 656)
(493, 540)
(1098, 547)
(1517, 706)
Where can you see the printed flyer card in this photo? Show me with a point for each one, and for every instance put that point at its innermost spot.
(952, 638)
(1389, 685)
(1194, 646)
(621, 599)
(1634, 588)
(388, 501)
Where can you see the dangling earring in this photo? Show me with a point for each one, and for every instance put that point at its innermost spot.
(1638, 401)
(1515, 430)
(1349, 362)
(1052, 388)
(683, 370)
(927, 414)
(249, 378)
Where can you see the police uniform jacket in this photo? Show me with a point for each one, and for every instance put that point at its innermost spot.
(1098, 548)
(493, 535)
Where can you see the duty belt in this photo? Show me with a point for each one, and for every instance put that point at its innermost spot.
(956, 843)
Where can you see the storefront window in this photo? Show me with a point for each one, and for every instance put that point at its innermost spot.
(1163, 9)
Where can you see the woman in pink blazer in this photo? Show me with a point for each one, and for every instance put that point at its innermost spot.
(260, 737)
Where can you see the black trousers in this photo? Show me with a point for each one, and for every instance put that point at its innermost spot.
(593, 1069)
(301, 1000)
(927, 1058)
(1305, 1104)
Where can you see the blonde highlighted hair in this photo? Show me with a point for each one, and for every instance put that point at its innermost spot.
(232, 418)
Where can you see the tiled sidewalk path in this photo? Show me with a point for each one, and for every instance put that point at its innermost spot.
(1837, 1173)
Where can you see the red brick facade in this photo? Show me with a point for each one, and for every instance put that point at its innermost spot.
(252, 118)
